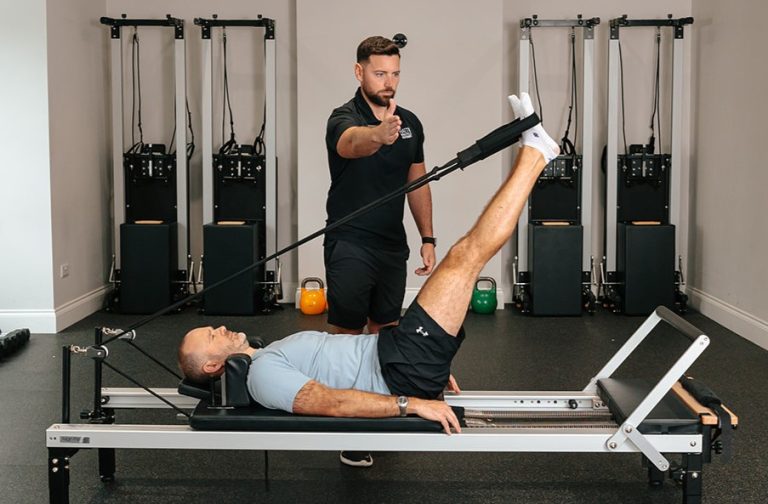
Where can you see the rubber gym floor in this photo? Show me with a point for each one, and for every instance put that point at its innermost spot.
(503, 351)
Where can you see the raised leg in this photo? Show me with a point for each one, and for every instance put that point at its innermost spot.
(447, 293)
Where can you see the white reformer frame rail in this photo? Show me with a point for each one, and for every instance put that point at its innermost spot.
(623, 438)
(587, 127)
(63, 440)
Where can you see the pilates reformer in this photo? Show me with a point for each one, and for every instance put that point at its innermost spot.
(609, 415)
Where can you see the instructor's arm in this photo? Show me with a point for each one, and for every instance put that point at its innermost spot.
(362, 141)
(316, 399)
(420, 203)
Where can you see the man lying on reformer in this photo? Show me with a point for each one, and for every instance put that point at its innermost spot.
(403, 369)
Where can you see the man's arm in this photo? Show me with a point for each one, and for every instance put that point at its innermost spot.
(316, 399)
(363, 141)
(420, 203)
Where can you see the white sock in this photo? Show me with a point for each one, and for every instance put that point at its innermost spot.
(535, 137)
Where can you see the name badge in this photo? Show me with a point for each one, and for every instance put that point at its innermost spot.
(406, 133)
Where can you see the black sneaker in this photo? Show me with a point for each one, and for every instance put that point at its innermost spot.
(356, 458)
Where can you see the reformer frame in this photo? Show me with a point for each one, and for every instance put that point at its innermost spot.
(118, 145)
(676, 212)
(599, 433)
(587, 26)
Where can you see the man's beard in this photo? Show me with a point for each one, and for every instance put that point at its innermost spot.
(378, 99)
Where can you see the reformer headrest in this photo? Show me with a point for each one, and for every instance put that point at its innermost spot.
(235, 377)
(235, 380)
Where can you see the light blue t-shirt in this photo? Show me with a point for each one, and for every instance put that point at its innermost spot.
(339, 361)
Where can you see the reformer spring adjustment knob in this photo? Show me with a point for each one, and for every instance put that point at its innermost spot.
(573, 404)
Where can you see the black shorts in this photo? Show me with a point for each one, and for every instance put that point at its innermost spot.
(415, 356)
(363, 283)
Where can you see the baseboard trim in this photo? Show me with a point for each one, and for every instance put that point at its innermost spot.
(37, 321)
(77, 309)
(742, 323)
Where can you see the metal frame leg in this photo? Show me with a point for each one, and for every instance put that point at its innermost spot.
(58, 474)
(692, 484)
(655, 476)
(107, 464)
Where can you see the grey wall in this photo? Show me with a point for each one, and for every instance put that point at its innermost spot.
(26, 281)
(79, 156)
(55, 163)
(451, 78)
(729, 234)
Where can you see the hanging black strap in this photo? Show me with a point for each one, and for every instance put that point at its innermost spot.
(227, 146)
(567, 147)
(655, 113)
(136, 93)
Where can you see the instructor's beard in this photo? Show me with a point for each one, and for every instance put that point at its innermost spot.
(379, 100)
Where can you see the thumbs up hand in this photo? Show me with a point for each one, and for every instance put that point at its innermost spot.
(389, 129)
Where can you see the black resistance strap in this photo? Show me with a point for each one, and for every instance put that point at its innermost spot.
(491, 143)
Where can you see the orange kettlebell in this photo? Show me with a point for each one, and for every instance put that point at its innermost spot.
(312, 301)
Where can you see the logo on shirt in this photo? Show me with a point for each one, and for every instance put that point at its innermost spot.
(421, 331)
(406, 133)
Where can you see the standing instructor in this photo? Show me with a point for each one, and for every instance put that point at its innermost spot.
(374, 147)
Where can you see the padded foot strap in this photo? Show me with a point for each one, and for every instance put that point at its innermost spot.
(707, 397)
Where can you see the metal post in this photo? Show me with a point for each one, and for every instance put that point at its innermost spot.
(677, 145)
(182, 183)
(524, 57)
(66, 361)
(97, 412)
(207, 118)
(58, 474)
(612, 154)
(270, 148)
(118, 183)
(692, 478)
(587, 146)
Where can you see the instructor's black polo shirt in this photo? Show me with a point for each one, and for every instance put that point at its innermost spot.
(357, 182)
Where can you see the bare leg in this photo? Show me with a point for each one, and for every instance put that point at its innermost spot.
(448, 291)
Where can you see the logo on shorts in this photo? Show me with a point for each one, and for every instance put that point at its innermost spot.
(406, 133)
(421, 331)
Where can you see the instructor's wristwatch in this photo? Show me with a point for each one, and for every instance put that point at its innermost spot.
(429, 239)
(402, 403)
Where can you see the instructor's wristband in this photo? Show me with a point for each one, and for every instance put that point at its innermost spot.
(429, 239)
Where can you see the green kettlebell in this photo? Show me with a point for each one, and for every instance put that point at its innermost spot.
(484, 300)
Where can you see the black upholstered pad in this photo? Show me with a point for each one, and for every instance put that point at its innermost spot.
(622, 396)
(258, 418)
